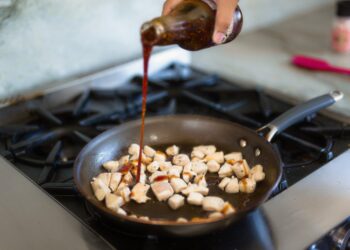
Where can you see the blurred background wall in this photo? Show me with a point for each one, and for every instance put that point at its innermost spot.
(42, 42)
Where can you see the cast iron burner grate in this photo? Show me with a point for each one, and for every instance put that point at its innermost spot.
(45, 146)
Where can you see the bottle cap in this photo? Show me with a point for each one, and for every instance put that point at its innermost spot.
(343, 8)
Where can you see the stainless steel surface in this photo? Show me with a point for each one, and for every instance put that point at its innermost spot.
(311, 207)
(30, 219)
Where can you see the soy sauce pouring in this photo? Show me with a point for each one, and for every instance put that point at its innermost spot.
(190, 25)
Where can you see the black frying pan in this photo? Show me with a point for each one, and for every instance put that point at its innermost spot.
(187, 131)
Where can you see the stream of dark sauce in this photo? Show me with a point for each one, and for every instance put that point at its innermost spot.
(147, 49)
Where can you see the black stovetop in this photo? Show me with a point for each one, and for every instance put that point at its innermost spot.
(45, 145)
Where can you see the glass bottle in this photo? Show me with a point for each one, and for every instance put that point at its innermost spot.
(190, 25)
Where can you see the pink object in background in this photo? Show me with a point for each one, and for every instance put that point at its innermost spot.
(317, 64)
(341, 28)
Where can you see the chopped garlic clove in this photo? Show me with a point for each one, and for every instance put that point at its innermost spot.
(176, 201)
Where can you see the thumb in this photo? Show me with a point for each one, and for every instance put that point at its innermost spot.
(224, 19)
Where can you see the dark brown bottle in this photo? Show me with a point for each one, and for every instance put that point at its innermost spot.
(190, 25)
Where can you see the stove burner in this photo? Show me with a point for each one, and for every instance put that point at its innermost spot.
(53, 138)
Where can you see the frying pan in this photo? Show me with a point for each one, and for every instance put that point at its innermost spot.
(187, 131)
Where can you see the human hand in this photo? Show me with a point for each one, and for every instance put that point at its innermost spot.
(224, 17)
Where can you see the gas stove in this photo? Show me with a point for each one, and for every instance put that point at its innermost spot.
(42, 134)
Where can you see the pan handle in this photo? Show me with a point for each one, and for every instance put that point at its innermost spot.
(298, 113)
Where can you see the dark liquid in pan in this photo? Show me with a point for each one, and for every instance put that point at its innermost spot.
(147, 49)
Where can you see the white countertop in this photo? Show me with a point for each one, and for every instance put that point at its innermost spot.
(262, 58)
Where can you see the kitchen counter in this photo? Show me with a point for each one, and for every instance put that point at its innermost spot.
(262, 58)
